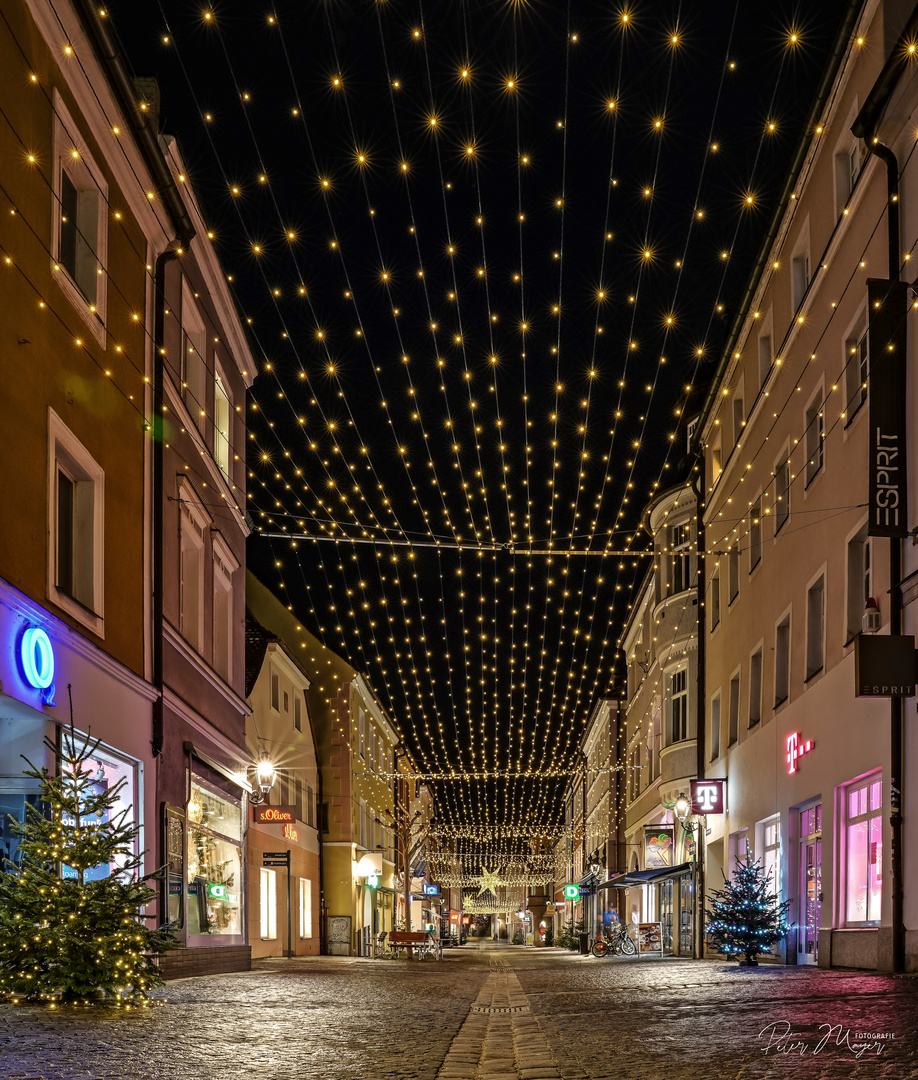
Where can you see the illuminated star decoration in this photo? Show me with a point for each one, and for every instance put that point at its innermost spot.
(489, 882)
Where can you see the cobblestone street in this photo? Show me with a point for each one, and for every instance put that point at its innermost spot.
(485, 1013)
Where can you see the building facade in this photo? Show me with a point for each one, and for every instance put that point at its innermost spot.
(794, 560)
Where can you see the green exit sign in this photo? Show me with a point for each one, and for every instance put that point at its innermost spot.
(572, 892)
(216, 892)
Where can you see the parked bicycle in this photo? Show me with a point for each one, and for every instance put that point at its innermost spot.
(618, 942)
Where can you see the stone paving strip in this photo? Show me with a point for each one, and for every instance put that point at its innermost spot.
(500, 1039)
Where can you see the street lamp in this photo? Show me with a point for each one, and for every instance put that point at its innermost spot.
(265, 775)
(683, 808)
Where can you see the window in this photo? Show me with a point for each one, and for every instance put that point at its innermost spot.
(755, 535)
(857, 371)
(715, 598)
(76, 486)
(739, 414)
(363, 823)
(715, 727)
(815, 627)
(717, 466)
(847, 167)
(193, 524)
(382, 755)
(371, 750)
(305, 908)
(222, 420)
(298, 798)
(309, 807)
(859, 582)
(782, 494)
(275, 692)
(371, 828)
(733, 572)
(863, 850)
(815, 434)
(194, 363)
(224, 567)
(215, 885)
(298, 712)
(680, 705)
(734, 709)
(268, 904)
(80, 223)
(680, 558)
(782, 660)
(800, 269)
(362, 726)
(765, 358)
(755, 688)
(286, 702)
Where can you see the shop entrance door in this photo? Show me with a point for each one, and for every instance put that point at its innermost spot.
(666, 914)
(686, 913)
(810, 884)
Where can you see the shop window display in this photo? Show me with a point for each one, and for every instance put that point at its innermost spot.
(214, 863)
(864, 854)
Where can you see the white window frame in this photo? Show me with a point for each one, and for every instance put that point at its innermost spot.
(783, 658)
(739, 411)
(714, 723)
(298, 710)
(782, 501)
(193, 372)
(733, 574)
(814, 428)
(679, 706)
(801, 269)
(733, 704)
(815, 657)
(223, 422)
(305, 919)
(267, 907)
(765, 350)
(756, 669)
(755, 533)
(91, 186)
(856, 379)
(849, 820)
(715, 598)
(68, 455)
(362, 733)
(858, 580)
(193, 525)
(225, 566)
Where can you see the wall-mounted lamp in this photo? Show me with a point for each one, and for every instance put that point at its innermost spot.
(682, 808)
(265, 775)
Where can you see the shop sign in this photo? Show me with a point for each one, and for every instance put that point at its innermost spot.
(36, 659)
(886, 471)
(216, 892)
(372, 881)
(796, 747)
(572, 891)
(274, 815)
(290, 833)
(884, 665)
(658, 846)
(431, 890)
(708, 796)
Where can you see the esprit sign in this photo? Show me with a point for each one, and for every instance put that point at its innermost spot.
(708, 796)
(886, 472)
(796, 748)
(274, 815)
(884, 665)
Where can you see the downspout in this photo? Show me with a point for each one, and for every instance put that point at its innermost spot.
(700, 698)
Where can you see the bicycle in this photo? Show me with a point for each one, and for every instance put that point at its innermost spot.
(618, 942)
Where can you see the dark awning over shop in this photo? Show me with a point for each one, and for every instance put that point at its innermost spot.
(645, 877)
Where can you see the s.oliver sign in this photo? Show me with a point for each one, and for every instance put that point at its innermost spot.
(273, 815)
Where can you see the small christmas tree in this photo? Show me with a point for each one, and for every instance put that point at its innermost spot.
(746, 917)
(71, 914)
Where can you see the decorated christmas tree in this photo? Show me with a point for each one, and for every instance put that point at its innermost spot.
(746, 916)
(72, 922)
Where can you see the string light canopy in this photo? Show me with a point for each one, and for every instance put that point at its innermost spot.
(487, 254)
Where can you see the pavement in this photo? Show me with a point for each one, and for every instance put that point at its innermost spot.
(485, 1012)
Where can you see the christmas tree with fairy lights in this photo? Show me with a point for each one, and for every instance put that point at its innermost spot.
(746, 917)
(72, 921)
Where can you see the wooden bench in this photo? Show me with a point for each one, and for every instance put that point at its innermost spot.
(408, 940)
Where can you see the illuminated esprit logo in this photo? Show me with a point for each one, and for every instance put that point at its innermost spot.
(796, 748)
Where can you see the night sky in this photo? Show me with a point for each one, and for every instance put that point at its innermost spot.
(489, 254)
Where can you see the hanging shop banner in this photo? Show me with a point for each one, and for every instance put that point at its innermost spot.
(658, 846)
(708, 796)
(884, 665)
(888, 307)
(650, 938)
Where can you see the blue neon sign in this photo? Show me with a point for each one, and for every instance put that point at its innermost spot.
(36, 657)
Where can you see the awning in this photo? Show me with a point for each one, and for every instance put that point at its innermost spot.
(645, 877)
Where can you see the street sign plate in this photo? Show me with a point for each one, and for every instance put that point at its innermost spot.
(276, 862)
(276, 854)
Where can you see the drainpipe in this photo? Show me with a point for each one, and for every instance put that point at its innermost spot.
(700, 697)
